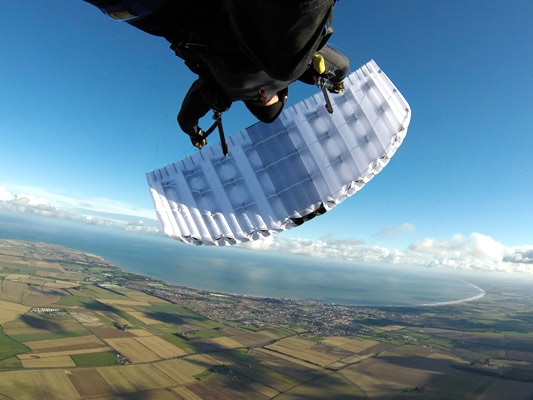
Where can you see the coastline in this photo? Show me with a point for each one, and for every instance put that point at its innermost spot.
(258, 274)
(482, 294)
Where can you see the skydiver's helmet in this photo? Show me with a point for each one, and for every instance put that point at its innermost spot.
(270, 113)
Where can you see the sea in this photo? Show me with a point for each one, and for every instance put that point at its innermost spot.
(244, 271)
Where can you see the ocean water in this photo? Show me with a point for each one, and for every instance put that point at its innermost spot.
(243, 271)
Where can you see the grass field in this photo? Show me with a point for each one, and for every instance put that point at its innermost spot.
(10, 363)
(28, 337)
(95, 359)
(70, 341)
(10, 347)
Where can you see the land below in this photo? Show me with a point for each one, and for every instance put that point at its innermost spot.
(73, 326)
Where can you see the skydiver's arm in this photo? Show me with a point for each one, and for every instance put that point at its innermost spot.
(192, 109)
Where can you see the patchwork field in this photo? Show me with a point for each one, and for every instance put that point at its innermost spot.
(72, 326)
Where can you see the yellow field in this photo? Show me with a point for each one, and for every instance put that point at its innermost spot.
(391, 328)
(374, 388)
(69, 341)
(140, 332)
(395, 372)
(135, 378)
(143, 317)
(288, 358)
(10, 311)
(139, 296)
(49, 274)
(264, 390)
(301, 349)
(271, 334)
(114, 302)
(48, 362)
(132, 349)
(181, 370)
(185, 394)
(42, 281)
(355, 345)
(31, 384)
(27, 356)
(58, 284)
(298, 343)
(160, 346)
(12, 291)
(227, 342)
(17, 276)
(38, 296)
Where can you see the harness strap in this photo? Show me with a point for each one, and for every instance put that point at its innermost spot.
(217, 116)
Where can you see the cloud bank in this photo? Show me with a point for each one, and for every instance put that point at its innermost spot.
(474, 252)
(30, 204)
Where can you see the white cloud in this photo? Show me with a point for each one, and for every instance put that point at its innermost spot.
(519, 254)
(31, 204)
(97, 204)
(476, 246)
(475, 252)
(397, 231)
(5, 195)
(141, 226)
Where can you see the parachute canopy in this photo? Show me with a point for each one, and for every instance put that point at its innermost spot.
(279, 175)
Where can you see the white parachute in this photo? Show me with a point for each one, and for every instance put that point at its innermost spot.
(279, 175)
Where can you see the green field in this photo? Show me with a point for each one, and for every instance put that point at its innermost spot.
(10, 363)
(95, 359)
(10, 347)
(80, 301)
(30, 337)
(203, 375)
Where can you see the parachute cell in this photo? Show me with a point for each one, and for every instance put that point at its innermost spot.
(279, 175)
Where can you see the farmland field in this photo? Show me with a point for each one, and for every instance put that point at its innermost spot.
(72, 326)
(95, 359)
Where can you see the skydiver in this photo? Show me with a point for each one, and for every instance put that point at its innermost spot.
(241, 50)
(264, 101)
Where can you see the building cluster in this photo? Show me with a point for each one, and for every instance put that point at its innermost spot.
(48, 311)
(315, 317)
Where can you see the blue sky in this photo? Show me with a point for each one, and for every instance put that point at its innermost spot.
(88, 105)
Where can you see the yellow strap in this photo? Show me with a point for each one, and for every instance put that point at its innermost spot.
(319, 64)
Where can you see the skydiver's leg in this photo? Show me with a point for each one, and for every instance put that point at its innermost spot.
(192, 109)
(336, 62)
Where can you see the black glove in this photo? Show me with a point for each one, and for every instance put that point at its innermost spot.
(198, 140)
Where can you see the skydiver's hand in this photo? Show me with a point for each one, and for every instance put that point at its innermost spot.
(336, 87)
(198, 140)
